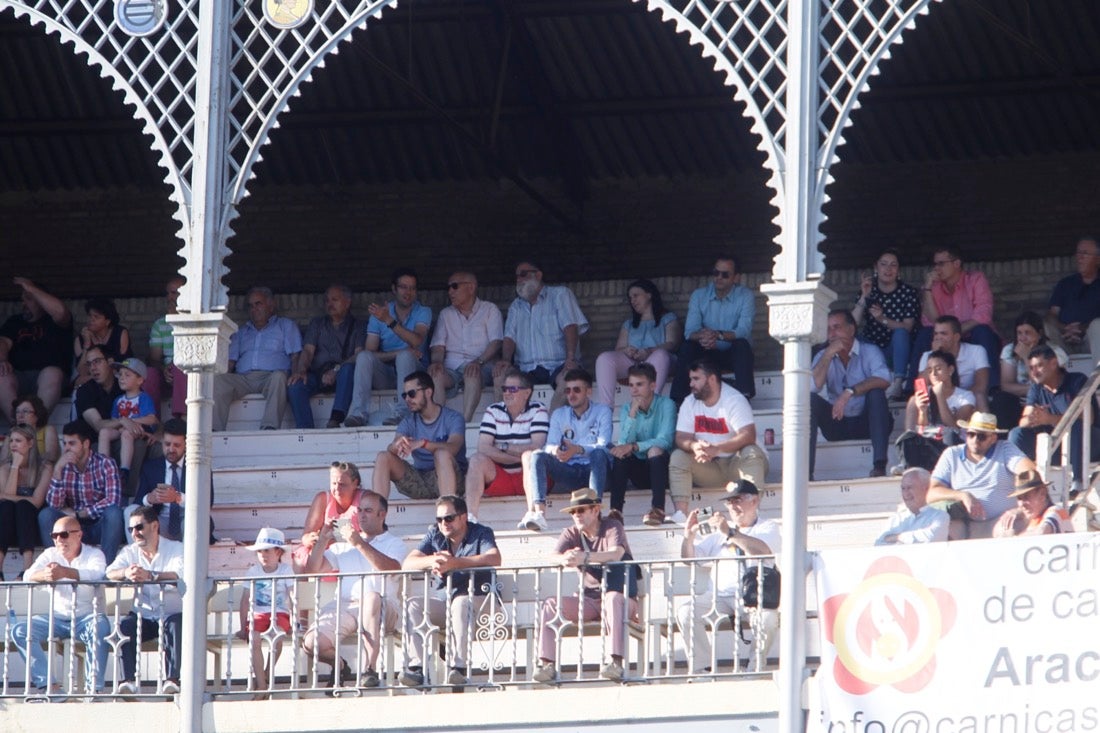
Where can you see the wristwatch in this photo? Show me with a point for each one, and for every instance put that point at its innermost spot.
(732, 532)
(850, 390)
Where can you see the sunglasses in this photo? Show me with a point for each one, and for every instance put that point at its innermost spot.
(446, 518)
(721, 273)
(512, 389)
(411, 393)
(64, 535)
(457, 284)
(137, 527)
(977, 436)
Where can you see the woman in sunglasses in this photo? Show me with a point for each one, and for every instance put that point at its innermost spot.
(651, 334)
(24, 480)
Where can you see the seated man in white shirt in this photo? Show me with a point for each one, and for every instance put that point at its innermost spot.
(971, 361)
(916, 522)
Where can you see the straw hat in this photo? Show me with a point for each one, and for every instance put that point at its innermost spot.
(1027, 481)
(983, 422)
(581, 499)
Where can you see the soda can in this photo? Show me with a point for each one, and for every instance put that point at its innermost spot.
(769, 437)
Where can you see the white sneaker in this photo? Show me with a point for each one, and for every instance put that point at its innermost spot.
(897, 470)
(679, 517)
(537, 522)
(472, 518)
(893, 392)
(528, 517)
(126, 688)
(169, 688)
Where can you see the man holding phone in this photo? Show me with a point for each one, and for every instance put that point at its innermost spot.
(163, 483)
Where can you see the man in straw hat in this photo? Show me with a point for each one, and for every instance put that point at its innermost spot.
(591, 543)
(976, 478)
(743, 533)
(1035, 513)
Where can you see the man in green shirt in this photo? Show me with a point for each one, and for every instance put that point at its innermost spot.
(647, 425)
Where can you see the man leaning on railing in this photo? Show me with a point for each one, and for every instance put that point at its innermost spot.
(745, 533)
(76, 610)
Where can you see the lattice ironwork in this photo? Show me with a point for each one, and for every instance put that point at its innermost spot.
(156, 74)
(855, 37)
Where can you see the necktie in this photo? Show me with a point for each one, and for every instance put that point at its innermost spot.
(175, 530)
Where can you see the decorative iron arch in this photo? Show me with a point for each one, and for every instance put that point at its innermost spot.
(87, 34)
(713, 25)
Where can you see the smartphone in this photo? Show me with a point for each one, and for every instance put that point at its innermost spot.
(339, 524)
(704, 515)
(920, 385)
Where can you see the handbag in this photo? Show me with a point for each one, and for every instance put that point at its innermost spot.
(750, 583)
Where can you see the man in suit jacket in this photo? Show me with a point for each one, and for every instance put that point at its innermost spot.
(163, 482)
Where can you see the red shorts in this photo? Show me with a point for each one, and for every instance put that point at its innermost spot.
(262, 622)
(505, 483)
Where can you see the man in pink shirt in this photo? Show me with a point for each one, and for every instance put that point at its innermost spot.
(949, 290)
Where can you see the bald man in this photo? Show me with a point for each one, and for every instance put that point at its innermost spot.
(77, 609)
(466, 343)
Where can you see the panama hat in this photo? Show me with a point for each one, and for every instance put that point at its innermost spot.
(581, 499)
(983, 422)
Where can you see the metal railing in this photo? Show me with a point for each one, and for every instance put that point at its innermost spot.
(488, 632)
(1061, 436)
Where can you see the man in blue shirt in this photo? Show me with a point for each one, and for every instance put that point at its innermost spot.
(855, 377)
(1073, 320)
(1048, 398)
(394, 348)
(260, 355)
(575, 454)
(451, 547)
(434, 436)
(647, 426)
(719, 327)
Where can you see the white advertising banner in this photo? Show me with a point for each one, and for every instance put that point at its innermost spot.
(987, 636)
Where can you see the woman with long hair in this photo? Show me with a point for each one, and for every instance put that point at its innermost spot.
(651, 334)
(29, 410)
(101, 329)
(24, 480)
(932, 415)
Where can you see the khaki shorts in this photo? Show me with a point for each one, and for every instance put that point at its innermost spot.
(349, 623)
(417, 484)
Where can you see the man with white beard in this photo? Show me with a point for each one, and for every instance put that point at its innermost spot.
(542, 334)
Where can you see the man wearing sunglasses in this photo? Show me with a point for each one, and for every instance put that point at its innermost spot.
(542, 334)
(466, 343)
(395, 344)
(984, 470)
(719, 327)
(67, 561)
(151, 560)
(509, 429)
(576, 451)
(450, 548)
(434, 436)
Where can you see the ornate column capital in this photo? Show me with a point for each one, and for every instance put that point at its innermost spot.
(202, 341)
(797, 311)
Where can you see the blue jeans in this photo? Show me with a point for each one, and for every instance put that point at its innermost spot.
(106, 532)
(875, 422)
(150, 629)
(567, 476)
(1024, 439)
(298, 395)
(900, 341)
(92, 630)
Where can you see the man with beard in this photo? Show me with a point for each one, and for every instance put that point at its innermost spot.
(36, 349)
(163, 483)
(448, 550)
(394, 346)
(435, 437)
(716, 439)
(327, 360)
(542, 334)
(150, 560)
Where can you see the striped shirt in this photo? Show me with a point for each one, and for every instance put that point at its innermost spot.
(538, 330)
(499, 425)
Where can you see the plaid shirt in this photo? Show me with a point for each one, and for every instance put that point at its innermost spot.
(94, 489)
